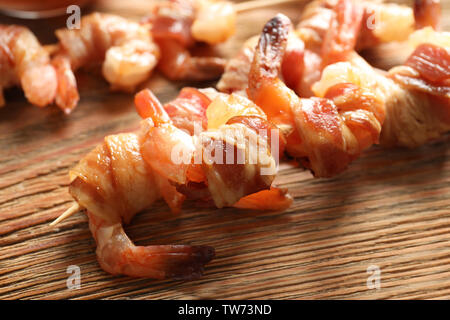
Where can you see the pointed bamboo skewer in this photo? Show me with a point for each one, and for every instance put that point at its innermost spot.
(73, 209)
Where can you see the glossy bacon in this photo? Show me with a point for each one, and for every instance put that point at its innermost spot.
(188, 108)
(432, 64)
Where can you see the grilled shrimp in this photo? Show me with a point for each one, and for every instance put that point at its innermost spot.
(129, 172)
(113, 183)
(356, 106)
(234, 127)
(329, 132)
(123, 47)
(329, 31)
(24, 62)
(177, 25)
(416, 95)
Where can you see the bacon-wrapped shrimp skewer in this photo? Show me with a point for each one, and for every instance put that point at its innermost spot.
(328, 31)
(129, 172)
(354, 102)
(178, 24)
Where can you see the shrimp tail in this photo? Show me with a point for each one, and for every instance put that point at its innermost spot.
(67, 96)
(118, 255)
(271, 46)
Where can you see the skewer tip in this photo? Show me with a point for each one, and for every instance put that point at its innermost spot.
(73, 209)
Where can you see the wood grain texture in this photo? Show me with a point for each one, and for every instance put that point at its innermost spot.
(391, 209)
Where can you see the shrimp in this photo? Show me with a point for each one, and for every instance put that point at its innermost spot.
(327, 133)
(24, 62)
(178, 25)
(67, 95)
(227, 180)
(128, 172)
(328, 32)
(113, 183)
(123, 47)
(118, 255)
(426, 77)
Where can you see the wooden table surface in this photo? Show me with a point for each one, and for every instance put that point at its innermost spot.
(389, 210)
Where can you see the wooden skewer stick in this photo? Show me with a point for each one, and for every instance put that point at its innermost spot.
(256, 4)
(73, 209)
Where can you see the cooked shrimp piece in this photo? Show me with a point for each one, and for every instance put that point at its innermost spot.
(113, 183)
(329, 31)
(125, 48)
(24, 62)
(128, 172)
(327, 133)
(226, 178)
(187, 21)
(356, 106)
(189, 110)
(416, 95)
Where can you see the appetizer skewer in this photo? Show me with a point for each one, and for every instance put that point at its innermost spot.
(354, 103)
(130, 171)
(328, 30)
(126, 49)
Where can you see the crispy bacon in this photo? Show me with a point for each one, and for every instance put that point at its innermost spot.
(432, 62)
